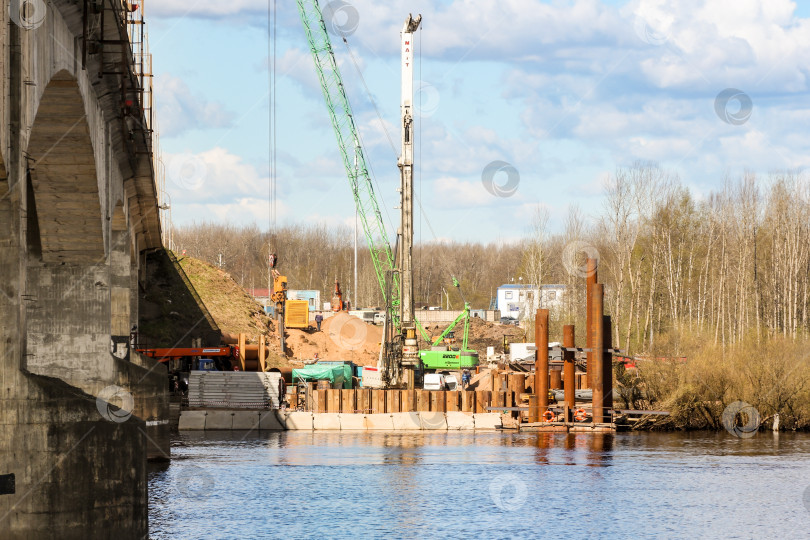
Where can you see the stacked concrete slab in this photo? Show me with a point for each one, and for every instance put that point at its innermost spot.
(233, 389)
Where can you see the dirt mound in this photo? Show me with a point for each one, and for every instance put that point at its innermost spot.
(169, 314)
(233, 309)
(342, 337)
(482, 334)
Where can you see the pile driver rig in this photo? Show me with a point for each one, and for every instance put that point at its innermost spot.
(399, 354)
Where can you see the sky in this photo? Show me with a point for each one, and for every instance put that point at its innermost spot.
(519, 103)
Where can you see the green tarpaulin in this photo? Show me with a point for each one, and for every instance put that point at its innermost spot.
(337, 374)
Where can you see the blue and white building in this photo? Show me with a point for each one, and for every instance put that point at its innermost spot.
(519, 301)
(313, 298)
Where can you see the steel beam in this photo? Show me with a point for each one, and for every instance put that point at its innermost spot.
(590, 281)
(541, 359)
(597, 297)
(569, 382)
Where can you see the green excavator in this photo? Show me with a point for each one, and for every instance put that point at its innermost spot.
(440, 356)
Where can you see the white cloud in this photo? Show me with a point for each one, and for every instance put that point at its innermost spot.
(586, 91)
(375, 133)
(704, 41)
(213, 175)
(204, 8)
(297, 64)
(181, 110)
(460, 193)
(463, 152)
(242, 210)
(750, 43)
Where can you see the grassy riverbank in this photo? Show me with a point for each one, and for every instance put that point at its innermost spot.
(771, 375)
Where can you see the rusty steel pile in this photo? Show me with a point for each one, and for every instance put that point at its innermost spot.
(599, 354)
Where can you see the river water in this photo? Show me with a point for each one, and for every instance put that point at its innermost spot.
(482, 485)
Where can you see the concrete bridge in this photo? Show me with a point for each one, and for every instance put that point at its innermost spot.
(79, 411)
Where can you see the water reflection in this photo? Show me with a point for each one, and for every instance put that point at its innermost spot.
(600, 449)
(543, 442)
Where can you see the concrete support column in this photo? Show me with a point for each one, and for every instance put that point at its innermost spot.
(78, 457)
(120, 282)
(541, 359)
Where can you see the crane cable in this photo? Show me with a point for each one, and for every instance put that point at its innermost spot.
(271, 128)
(385, 130)
(419, 161)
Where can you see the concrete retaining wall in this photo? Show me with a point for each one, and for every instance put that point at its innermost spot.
(214, 420)
(237, 420)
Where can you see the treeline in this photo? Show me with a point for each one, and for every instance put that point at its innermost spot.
(722, 282)
(732, 265)
(312, 256)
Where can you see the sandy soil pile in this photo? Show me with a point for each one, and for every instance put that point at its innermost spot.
(483, 334)
(342, 337)
(233, 309)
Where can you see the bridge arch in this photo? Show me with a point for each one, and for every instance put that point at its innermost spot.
(68, 275)
(64, 177)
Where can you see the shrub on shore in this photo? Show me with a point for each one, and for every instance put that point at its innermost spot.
(772, 375)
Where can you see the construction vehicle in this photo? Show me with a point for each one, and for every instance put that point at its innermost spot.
(296, 314)
(444, 356)
(439, 381)
(279, 296)
(410, 348)
(399, 358)
(364, 315)
(228, 354)
(447, 356)
(290, 313)
(180, 361)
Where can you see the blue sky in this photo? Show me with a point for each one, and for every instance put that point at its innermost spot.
(564, 91)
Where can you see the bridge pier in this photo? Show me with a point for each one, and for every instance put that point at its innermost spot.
(80, 412)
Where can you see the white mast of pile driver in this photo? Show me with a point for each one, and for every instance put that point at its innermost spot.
(410, 349)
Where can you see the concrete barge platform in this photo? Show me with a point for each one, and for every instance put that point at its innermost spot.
(275, 420)
(569, 427)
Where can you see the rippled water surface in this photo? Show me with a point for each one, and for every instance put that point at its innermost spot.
(482, 485)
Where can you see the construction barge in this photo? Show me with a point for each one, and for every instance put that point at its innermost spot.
(395, 398)
(559, 388)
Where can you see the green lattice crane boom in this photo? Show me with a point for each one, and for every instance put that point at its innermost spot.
(351, 151)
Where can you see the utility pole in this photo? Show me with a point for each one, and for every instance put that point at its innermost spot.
(354, 301)
(357, 151)
(410, 350)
